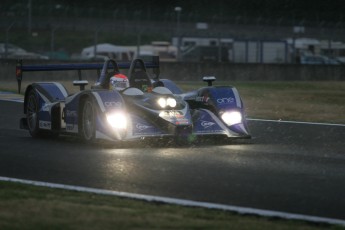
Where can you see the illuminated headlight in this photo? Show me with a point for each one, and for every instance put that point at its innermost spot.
(117, 120)
(232, 118)
(164, 102)
(171, 102)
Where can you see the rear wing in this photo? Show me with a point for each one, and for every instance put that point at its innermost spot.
(20, 68)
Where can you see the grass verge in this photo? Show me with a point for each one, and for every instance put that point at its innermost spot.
(31, 207)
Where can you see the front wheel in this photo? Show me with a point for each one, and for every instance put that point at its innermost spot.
(32, 109)
(88, 126)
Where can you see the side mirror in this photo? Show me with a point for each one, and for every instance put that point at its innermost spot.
(81, 84)
(209, 79)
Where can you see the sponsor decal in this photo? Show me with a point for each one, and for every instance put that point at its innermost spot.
(116, 104)
(202, 99)
(45, 125)
(207, 124)
(142, 127)
(72, 113)
(71, 128)
(182, 122)
(226, 100)
(46, 107)
(171, 114)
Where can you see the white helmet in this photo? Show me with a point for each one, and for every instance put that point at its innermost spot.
(119, 82)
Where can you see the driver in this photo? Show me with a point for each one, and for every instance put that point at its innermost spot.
(118, 82)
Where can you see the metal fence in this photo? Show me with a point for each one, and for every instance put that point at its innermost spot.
(253, 43)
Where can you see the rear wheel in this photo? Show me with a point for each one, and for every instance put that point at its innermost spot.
(88, 126)
(32, 109)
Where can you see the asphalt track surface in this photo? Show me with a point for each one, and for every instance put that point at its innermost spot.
(288, 167)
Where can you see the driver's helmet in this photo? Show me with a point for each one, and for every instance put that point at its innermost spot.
(118, 82)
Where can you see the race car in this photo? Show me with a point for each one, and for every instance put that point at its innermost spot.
(145, 107)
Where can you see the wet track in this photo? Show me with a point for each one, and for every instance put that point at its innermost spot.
(297, 168)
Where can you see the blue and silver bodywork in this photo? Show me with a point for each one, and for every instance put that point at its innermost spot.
(216, 110)
(63, 115)
(159, 109)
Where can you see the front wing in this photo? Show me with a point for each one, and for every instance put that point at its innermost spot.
(204, 123)
(207, 123)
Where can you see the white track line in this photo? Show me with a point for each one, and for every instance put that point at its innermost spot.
(188, 203)
(14, 100)
(296, 122)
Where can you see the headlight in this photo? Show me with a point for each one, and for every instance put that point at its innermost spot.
(171, 102)
(232, 117)
(164, 102)
(117, 120)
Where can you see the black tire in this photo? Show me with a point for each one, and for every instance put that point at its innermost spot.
(32, 114)
(87, 129)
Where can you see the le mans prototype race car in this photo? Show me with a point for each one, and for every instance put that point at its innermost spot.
(149, 107)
